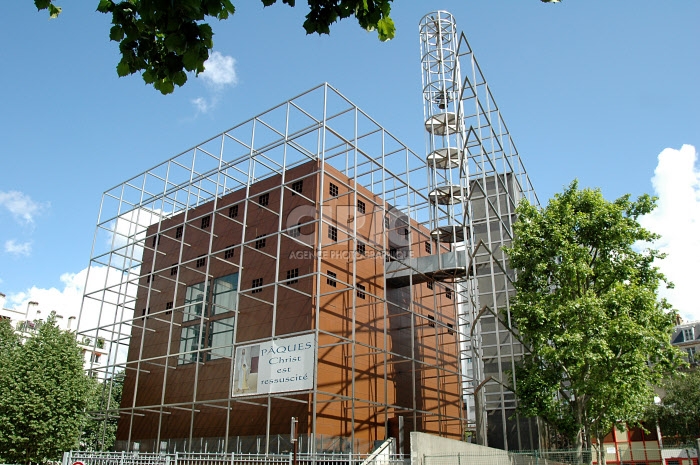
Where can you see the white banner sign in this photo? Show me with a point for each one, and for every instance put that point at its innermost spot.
(276, 366)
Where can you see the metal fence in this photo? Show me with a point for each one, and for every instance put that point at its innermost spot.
(278, 444)
(134, 458)
(496, 457)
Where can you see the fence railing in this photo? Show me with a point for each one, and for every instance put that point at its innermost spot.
(179, 458)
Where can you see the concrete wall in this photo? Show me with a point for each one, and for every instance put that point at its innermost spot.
(426, 445)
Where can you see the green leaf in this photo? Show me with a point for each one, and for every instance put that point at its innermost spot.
(191, 60)
(105, 6)
(205, 32)
(123, 69)
(116, 33)
(54, 11)
(180, 78)
(42, 4)
(175, 43)
(386, 29)
(165, 86)
(148, 77)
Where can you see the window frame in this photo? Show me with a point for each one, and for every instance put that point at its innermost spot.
(688, 334)
(260, 242)
(331, 279)
(360, 291)
(292, 276)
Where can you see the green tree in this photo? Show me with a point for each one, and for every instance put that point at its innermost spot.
(164, 40)
(44, 393)
(678, 416)
(586, 305)
(100, 431)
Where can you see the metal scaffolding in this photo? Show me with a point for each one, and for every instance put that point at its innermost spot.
(402, 334)
(477, 180)
(422, 333)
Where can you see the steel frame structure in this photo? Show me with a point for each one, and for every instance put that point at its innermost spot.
(318, 125)
(475, 165)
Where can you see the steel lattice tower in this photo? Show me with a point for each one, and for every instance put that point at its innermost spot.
(476, 181)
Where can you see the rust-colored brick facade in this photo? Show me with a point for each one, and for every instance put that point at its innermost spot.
(306, 252)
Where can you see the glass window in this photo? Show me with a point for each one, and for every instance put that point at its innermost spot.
(330, 280)
(292, 275)
(190, 341)
(194, 302)
(295, 231)
(688, 334)
(228, 253)
(221, 338)
(224, 295)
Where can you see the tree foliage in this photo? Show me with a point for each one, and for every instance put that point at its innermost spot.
(678, 416)
(100, 431)
(586, 305)
(164, 40)
(43, 394)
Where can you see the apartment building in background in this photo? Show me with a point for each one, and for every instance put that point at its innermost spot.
(686, 336)
(28, 321)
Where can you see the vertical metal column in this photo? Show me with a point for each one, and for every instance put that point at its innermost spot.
(448, 173)
(443, 123)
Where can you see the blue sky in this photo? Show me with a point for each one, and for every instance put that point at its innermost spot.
(593, 90)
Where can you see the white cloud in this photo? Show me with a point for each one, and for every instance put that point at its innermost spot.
(676, 183)
(202, 105)
(98, 309)
(219, 71)
(65, 302)
(22, 207)
(24, 248)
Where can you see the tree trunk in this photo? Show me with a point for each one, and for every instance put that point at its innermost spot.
(579, 447)
(588, 445)
(582, 436)
(601, 454)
